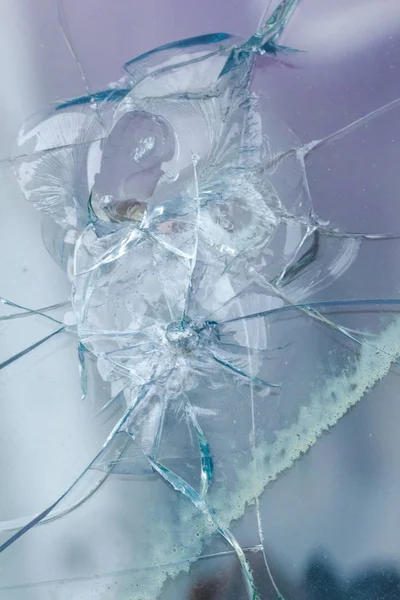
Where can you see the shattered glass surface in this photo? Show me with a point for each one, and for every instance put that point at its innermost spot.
(199, 307)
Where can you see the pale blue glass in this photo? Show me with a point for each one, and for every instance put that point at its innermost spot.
(199, 302)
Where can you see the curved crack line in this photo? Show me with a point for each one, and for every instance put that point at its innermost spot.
(207, 463)
(181, 486)
(253, 451)
(28, 312)
(243, 373)
(46, 516)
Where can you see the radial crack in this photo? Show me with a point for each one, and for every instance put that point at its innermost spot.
(26, 351)
(181, 486)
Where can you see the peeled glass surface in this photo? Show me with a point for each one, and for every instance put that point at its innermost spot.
(199, 303)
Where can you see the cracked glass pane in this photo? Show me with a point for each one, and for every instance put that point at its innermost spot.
(199, 301)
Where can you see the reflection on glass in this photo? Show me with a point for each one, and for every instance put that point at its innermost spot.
(181, 210)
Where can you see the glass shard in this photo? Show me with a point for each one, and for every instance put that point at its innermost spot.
(226, 299)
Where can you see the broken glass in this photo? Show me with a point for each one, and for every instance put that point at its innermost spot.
(224, 312)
